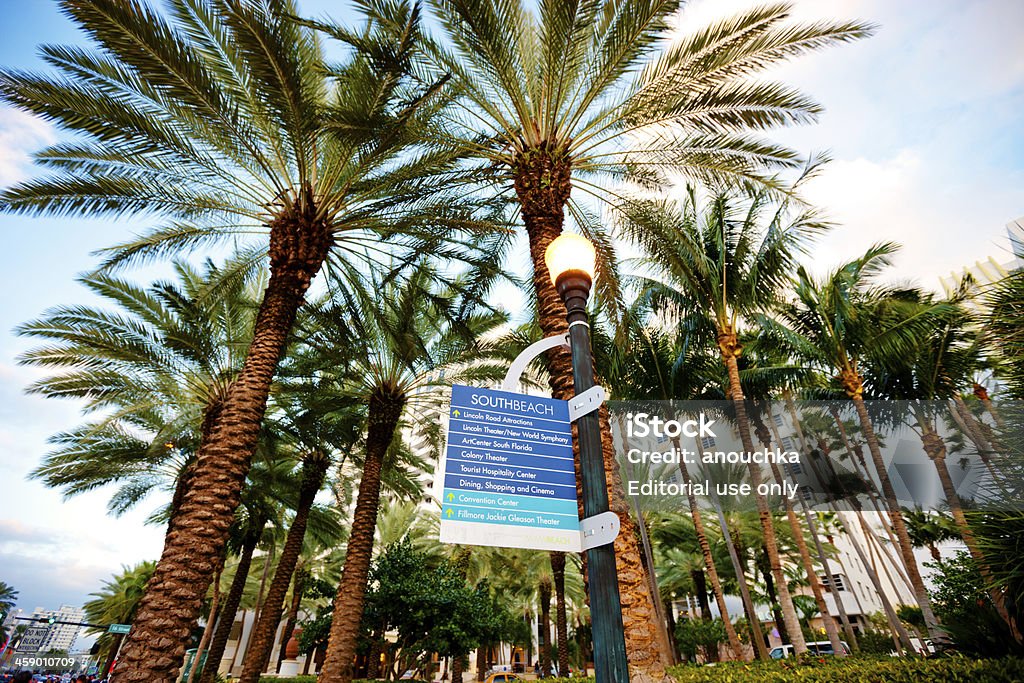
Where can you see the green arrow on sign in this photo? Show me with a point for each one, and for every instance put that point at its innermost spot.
(456, 412)
(449, 513)
(451, 496)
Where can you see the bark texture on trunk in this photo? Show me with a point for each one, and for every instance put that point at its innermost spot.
(542, 184)
(854, 388)
(314, 469)
(385, 411)
(561, 621)
(194, 547)
(227, 613)
(730, 348)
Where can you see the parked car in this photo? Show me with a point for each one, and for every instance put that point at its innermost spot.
(502, 677)
(818, 647)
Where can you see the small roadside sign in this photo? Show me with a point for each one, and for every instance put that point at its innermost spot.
(119, 628)
(508, 473)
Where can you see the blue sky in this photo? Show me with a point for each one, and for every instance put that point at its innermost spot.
(923, 122)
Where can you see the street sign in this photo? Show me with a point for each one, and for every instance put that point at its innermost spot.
(508, 473)
(119, 628)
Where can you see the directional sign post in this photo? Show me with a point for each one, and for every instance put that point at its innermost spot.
(508, 472)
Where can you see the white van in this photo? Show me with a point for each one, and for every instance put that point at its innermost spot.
(818, 647)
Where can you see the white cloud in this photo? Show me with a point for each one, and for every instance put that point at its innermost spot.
(20, 135)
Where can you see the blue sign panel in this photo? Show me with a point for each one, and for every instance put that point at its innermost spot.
(508, 473)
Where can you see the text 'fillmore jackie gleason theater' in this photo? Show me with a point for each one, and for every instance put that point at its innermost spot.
(508, 472)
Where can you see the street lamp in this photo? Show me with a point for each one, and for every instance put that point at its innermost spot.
(570, 260)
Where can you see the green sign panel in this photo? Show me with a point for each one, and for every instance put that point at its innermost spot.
(119, 628)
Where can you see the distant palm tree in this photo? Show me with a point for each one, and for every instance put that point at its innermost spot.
(724, 263)
(1003, 335)
(117, 603)
(840, 323)
(223, 121)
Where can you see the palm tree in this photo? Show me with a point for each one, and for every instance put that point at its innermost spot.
(839, 323)
(943, 363)
(221, 120)
(8, 599)
(117, 603)
(725, 266)
(411, 340)
(665, 366)
(313, 425)
(560, 99)
(927, 529)
(1002, 331)
(157, 366)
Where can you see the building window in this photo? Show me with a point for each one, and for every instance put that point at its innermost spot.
(707, 442)
(827, 582)
(778, 419)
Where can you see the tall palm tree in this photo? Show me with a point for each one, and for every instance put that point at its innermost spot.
(728, 264)
(411, 340)
(221, 120)
(659, 365)
(565, 101)
(942, 365)
(839, 323)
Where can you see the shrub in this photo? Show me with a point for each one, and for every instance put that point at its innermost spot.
(858, 670)
(697, 635)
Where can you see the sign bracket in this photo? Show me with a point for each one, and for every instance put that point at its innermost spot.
(515, 371)
(599, 530)
(587, 402)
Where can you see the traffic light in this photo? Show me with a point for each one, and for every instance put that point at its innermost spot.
(51, 621)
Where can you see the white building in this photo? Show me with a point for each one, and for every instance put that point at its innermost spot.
(993, 268)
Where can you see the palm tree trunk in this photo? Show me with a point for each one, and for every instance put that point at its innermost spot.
(226, 620)
(268, 561)
(208, 631)
(729, 346)
(298, 586)
(812, 576)
(935, 631)
(709, 559)
(385, 411)
(194, 548)
(542, 185)
(764, 566)
(936, 451)
(965, 420)
(900, 633)
(561, 622)
(257, 656)
(748, 604)
(812, 526)
(544, 592)
(764, 435)
(114, 647)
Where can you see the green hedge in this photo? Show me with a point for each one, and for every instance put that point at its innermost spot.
(859, 670)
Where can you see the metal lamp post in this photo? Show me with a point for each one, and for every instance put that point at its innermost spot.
(571, 262)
